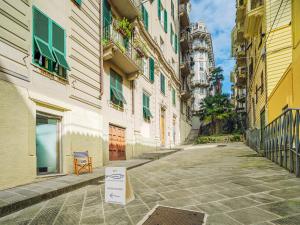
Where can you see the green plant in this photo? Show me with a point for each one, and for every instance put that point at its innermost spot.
(125, 27)
(104, 42)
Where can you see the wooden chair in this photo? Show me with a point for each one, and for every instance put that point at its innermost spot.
(82, 161)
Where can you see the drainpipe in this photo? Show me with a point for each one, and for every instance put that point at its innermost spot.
(100, 49)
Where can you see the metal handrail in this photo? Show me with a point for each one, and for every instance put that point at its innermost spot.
(282, 140)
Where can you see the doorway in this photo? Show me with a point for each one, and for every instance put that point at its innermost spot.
(162, 127)
(262, 128)
(48, 149)
(117, 143)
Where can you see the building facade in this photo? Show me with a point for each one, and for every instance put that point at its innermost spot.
(185, 70)
(203, 64)
(96, 76)
(262, 48)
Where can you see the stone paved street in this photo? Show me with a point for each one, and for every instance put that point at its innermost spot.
(231, 184)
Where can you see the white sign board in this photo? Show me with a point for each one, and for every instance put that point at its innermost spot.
(117, 187)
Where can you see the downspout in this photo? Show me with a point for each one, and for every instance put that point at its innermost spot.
(100, 49)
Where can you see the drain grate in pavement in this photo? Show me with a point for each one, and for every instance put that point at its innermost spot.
(172, 216)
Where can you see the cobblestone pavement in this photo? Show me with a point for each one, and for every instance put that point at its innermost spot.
(231, 184)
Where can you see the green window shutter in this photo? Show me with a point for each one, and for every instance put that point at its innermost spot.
(107, 18)
(171, 34)
(173, 96)
(166, 21)
(41, 27)
(78, 2)
(116, 89)
(146, 107)
(176, 43)
(58, 45)
(151, 69)
(162, 84)
(172, 9)
(145, 17)
(159, 9)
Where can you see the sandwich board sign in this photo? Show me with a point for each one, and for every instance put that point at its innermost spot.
(118, 189)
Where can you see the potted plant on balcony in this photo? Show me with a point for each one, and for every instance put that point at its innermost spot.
(140, 47)
(124, 27)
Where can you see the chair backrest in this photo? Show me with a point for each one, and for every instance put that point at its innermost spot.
(80, 155)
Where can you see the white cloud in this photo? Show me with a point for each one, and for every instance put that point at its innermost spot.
(219, 16)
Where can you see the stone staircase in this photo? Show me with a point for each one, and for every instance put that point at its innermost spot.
(160, 153)
(191, 137)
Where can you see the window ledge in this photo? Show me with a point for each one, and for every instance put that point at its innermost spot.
(116, 107)
(52, 76)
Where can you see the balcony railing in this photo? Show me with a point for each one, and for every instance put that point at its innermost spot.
(184, 40)
(200, 82)
(282, 140)
(120, 50)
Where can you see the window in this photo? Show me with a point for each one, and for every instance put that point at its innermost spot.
(176, 43)
(145, 66)
(173, 97)
(171, 35)
(49, 44)
(78, 2)
(166, 21)
(116, 89)
(172, 9)
(201, 66)
(162, 84)
(145, 17)
(159, 8)
(151, 69)
(146, 107)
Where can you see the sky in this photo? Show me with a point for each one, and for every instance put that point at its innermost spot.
(219, 17)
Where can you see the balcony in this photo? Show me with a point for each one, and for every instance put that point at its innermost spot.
(200, 47)
(240, 10)
(254, 17)
(127, 8)
(241, 75)
(241, 109)
(185, 66)
(184, 40)
(241, 50)
(119, 51)
(240, 31)
(184, 15)
(199, 83)
(241, 97)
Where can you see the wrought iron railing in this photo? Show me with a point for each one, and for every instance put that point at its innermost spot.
(112, 35)
(253, 139)
(281, 140)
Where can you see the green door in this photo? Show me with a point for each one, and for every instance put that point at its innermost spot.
(47, 144)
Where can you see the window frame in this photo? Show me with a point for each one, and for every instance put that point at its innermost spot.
(163, 84)
(51, 63)
(146, 107)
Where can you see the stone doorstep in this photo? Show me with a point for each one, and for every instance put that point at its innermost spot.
(85, 179)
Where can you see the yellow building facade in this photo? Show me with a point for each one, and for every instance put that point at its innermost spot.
(285, 93)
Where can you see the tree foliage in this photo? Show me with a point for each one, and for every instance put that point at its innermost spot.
(214, 109)
(216, 78)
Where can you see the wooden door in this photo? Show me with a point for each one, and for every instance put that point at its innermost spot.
(162, 128)
(117, 143)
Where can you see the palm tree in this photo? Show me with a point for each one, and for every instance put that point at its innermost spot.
(214, 109)
(217, 77)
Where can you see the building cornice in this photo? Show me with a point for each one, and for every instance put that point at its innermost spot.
(157, 49)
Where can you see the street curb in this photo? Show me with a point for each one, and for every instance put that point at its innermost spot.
(19, 205)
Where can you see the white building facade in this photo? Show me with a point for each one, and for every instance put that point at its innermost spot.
(203, 60)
